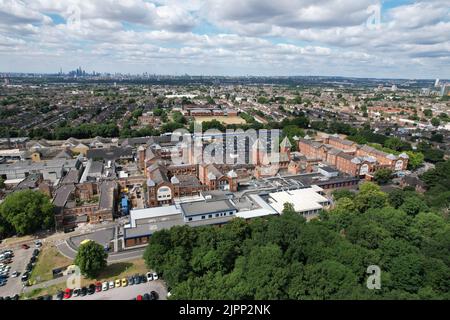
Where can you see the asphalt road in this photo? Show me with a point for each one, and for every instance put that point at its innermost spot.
(19, 262)
(70, 253)
(128, 293)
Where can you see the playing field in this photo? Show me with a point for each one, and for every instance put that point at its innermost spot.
(223, 119)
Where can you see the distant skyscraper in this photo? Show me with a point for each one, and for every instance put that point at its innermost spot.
(445, 89)
(436, 84)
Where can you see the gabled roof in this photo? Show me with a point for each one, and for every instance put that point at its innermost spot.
(286, 143)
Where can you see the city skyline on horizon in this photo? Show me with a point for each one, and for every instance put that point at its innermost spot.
(392, 39)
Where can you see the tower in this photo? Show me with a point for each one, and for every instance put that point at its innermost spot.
(285, 147)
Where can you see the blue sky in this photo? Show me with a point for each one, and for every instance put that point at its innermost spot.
(364, 38)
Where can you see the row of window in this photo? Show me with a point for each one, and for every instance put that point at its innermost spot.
(217, 215)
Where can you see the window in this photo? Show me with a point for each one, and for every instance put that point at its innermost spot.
(190, 219)
(203, 217)
(210, 216)
(217, 215)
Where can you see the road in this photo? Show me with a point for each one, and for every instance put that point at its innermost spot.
(129, 292)
(19, 262)
(70, 253)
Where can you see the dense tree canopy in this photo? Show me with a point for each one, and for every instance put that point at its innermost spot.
(286, 257)
(25, 212)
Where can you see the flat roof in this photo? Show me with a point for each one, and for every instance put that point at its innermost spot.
(303, 200)
(204, 207)
(264, 209)
(151, 213)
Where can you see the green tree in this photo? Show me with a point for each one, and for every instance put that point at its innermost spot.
(436, 122)
(2, 183)
(288, 208)
(91, 259)
(27, 211)
(383, 176)
(413, 205)
(343, 193)
(370, 196)
(396, 198)
(416, 159)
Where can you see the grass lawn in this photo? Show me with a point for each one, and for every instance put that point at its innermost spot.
(111, 272)
(14, 240)
(223, 119)
(48, 259)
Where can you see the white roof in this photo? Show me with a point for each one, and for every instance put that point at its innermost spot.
(303, 200)
(264, 209)
(152, 213)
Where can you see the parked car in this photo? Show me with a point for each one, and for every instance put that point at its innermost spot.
(83, 292)
(139, 297)
(15, 274)
(117, 283)
(25, 246)
(149, 276)
(137, 279)
(105, 286)
(155, 276)
(91, 289)
(59, 295)
(98, 287)
(35, 252)
(25, 277)
(124, 282)
(146, 296)
(48, 297)
(143, 278)
(154, 295)
(130, 281)
(67, 293)
(76, 292)
(111, 285)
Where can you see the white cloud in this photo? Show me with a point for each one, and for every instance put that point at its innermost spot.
(233, 36)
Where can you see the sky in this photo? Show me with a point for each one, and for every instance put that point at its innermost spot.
(352, 38)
